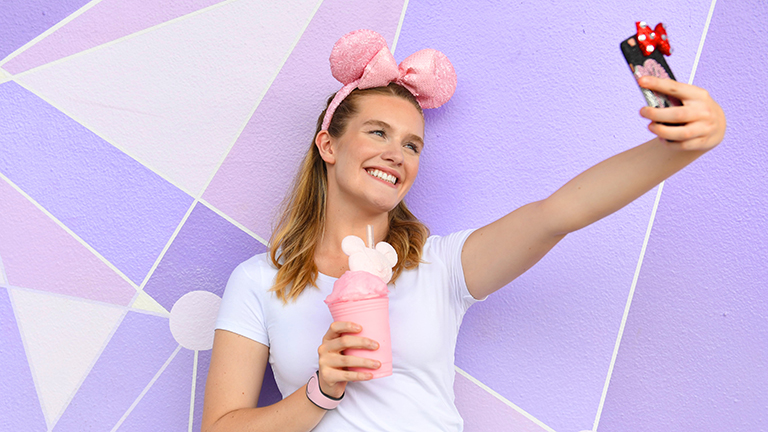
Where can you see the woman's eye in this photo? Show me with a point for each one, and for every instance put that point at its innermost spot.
(378, 132)
(413, 147)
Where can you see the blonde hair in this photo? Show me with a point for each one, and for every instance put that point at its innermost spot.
(302, 221)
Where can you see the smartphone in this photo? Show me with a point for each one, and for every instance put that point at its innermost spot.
(652, 64)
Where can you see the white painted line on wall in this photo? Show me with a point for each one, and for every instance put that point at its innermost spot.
(645, 241)
(503, 399)
(146, 389)
(626, 307)
(701, 41)
(3, 277)
(167, 246)
(5, 76)
(120, 39)
(55, 27)
(399, 27)
(22, 335)
(88, 372)
(234, 222)
(7, 285)
(96, 132)
(192, 399)
(69, 231)
(258, 101)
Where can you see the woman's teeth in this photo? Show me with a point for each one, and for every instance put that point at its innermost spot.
(382, 175)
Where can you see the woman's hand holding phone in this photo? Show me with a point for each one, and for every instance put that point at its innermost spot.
(699, 123)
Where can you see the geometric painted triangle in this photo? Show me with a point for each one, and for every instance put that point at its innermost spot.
(165, 406)
(176, 97)
(284, 116)
(19, 400)
(106, 21)
(38, 253)
(22, 20)
(4, 76)
(482, 411)
(63, 338)
(144, 302)
(140, 347)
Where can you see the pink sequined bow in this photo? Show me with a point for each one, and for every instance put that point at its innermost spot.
(361, 59)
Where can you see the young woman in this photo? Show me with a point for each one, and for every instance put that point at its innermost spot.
(362, 161)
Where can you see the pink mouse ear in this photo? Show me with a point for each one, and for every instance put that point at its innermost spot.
(353, 52)
(430, 76)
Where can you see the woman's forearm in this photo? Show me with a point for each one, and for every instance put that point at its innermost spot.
(292, 414)
(614, 183)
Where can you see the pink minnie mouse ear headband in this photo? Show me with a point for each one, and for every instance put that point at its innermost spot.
(361, 59)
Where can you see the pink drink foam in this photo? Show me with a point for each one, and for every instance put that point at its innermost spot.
(357, 285)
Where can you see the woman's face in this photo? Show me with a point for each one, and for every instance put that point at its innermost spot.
(377, 158)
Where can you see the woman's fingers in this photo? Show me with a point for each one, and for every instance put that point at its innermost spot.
(339, 328)
(697, 125)
(348, 341)
(679, 134)
(332, 363)
(675, 115)
(671, 87)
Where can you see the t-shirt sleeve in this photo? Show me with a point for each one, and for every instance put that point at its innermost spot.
(448, 248)
(241, 309)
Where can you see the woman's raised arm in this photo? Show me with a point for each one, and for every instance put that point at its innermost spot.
(498, 253)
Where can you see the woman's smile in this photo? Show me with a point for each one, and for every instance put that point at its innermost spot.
(383, 176)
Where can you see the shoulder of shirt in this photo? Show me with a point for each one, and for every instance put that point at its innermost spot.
(258, 268)
(437, 245)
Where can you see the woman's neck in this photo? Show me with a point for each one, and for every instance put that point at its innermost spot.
(342, 222)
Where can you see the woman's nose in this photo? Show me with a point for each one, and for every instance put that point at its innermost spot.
(394, 154)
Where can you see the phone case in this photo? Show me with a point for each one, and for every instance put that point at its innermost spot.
(651, 64)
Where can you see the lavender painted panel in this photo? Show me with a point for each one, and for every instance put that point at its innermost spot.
(165, 407)
(106, 21)
(203, 362)
(531, 111)
(126, 212)
(483, 412)
(694, 355)
(201, 257)
(253, 179)
(18, 398)
(136, 352)
(23, 20)
(41, 255)
(270, 394)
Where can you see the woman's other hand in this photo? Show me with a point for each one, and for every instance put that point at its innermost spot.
(333, 376)
(701, 121)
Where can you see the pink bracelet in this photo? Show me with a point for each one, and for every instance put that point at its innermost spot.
(316, 395)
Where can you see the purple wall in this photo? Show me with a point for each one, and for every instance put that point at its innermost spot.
(112, 202)
(694, 355)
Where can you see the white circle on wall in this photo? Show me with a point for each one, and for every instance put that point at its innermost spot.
(193, 318)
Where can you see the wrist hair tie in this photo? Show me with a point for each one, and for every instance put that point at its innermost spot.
(361, 59)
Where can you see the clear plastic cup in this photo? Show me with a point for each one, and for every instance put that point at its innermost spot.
(373, 316)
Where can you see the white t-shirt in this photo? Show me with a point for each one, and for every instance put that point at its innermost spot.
(426, 307)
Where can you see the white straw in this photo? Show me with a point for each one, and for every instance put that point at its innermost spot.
(370, 236)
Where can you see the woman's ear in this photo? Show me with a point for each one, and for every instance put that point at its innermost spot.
(325, 146)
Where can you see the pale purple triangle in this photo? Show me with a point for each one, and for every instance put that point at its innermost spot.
(136, 352)
(19, 404)
(253, 179)
(106, 21)
(23, 20)
(165, 407)
(483, 412)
